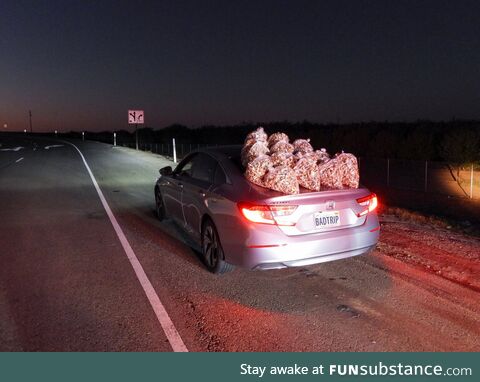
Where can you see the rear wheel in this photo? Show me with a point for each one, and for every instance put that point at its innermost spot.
(159, 207)
(212, 250)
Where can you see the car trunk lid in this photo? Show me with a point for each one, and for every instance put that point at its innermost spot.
(322, 211)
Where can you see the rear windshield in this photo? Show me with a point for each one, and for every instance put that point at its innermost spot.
(237, 161)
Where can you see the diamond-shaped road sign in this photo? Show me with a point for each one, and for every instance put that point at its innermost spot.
(135, 117)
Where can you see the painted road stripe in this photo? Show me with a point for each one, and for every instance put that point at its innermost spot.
(13, 149)
(52, 146)
(170, 331)
(19, 159)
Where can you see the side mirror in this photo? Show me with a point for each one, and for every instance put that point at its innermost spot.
(165, 171)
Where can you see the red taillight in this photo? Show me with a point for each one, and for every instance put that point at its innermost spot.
(370, 203)
(265, 214)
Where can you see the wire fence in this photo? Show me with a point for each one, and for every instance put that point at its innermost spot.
(422, 176)
(429, 177)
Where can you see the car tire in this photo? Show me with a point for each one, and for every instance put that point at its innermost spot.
(159, 206)
(212, 251)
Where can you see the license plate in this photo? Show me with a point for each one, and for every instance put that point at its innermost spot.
(326, 219)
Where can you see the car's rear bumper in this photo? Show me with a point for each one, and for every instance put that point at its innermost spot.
(266, 247)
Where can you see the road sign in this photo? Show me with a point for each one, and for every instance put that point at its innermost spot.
(135, 117)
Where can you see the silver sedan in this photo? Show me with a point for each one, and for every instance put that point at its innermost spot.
(236, 223)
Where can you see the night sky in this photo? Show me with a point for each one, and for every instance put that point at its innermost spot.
(82, 64)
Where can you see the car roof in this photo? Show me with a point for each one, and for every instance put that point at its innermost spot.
(230, 151)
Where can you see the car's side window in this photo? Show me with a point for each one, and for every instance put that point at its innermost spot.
(203, 168)
(185, 168)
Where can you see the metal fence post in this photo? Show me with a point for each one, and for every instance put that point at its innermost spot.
(471, 183)
(174, 151)
(388, 172)
(426, 175)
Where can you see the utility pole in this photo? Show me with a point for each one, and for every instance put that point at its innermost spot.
(30, 115)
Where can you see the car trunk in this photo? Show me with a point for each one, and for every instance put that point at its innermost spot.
(319, 212)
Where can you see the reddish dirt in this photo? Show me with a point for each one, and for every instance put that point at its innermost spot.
(451, 255)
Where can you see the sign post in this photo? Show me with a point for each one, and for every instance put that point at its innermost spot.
(136, 117)
(114, 139)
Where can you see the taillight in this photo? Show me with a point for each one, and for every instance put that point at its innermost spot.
(265, 214)
(370, 203)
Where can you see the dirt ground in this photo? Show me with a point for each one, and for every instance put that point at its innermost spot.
(452, 255)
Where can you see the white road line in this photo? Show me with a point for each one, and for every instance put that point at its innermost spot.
(170, 331)
(19, 159)
(13, 149)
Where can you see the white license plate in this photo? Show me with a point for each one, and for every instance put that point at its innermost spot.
(326, 219)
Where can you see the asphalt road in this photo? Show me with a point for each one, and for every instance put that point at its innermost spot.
(66, 283)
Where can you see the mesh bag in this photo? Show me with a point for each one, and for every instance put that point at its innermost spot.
(322, 156)
(282, 146)
(283, 158)
(302, 146)
(282, 179)
(340, 172)
(277, 137)
(257, 135)
(308, 173)
(348, 170)
(257, 169)
(253, 151)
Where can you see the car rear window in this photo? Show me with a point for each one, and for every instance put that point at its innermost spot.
(237, 161)
(220, 177)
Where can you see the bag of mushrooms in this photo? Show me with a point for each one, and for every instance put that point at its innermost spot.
(275, 163)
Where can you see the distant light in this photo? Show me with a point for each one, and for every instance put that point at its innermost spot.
(5, 125)
(24, 130)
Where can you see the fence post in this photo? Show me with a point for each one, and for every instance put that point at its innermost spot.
(471, 183)
(426, 175)
(174, 151)
(388, 172)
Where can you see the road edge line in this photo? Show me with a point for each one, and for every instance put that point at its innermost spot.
(166, 323)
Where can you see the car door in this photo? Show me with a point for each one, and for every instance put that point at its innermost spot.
(195, 191)
(173, 189)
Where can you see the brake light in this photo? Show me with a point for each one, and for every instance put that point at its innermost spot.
(268, 214)
(370, 203)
